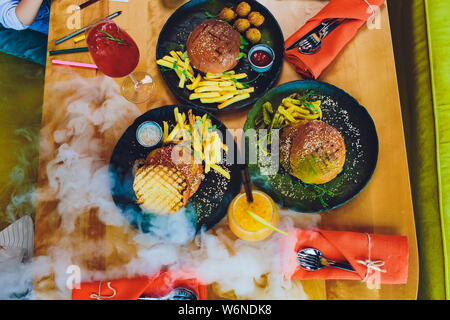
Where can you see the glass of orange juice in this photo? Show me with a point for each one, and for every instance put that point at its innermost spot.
(243, 225)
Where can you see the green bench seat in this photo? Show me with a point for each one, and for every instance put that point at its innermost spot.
(421, 37)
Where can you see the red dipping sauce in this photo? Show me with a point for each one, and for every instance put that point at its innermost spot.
(261, 58)
(115, 58)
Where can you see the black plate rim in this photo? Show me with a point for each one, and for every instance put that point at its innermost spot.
(111, 169)
(251, 101)
(357, 104)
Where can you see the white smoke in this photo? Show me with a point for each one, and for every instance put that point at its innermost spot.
(15, 267)
(86, 119)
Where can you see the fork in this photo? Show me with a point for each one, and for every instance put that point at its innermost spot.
(312, 260)
(175, 294)
(312, 41)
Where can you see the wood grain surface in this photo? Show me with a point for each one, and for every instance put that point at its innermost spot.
(365, 69)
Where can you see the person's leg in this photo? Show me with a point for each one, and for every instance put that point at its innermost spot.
(27, 44)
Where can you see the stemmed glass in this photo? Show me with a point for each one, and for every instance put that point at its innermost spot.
(117, 55)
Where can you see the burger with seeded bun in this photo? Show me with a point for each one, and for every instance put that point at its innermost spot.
(214, 47)
(312, 151)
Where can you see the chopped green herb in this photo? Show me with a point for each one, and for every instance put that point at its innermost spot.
(208, 14)
(111, 38)
(241, 55)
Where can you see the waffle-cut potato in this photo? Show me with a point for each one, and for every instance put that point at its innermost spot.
(186, 166)
(160, 189)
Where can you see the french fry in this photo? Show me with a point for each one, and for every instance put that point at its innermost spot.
(207, 89)
(316, 105)
(188, 69)
(165, 131)
(225, 83)
(173, 60)
(292, 101)
(203, 95)
(220, 170)
(217, 147)
(197, 146)
(174, 54)
(286, 114)
(248, 90)
(310, 117)
(204, 128)
(234, 100)
(174, 66)
(228, 89)
(207, 156)
(165, 63)
(228, 76)
(191, 119)
(183, 77)
(180, 63)
(185, 74)
(205, 144)
(302, 111)
(215, 84)
(219, 75)
(290, 110)
(173, 134)
(219, 99)
(239, 76)
(174, 57)
(195, 83)
(208, 84)
(288, 104)
(220, 87)
(180, 118)
(239, 85)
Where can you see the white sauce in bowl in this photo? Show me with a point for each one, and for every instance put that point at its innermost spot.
(149, 134)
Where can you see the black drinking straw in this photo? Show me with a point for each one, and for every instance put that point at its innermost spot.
(87, 3)
(247, 183)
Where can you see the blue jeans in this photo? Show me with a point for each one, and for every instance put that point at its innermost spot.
(27, 44)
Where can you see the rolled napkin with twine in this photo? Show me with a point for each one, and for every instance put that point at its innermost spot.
(356, 13)
(158, 285)
(379, 259)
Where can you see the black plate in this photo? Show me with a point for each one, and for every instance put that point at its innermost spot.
(358, 130)
(204, 210)
(176, 32)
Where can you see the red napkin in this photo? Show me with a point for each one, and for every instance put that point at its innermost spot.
(389, 254)
(131, 289)
(312, 65)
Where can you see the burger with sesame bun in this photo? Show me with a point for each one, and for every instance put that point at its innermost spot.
(312, 151)
(214, 47)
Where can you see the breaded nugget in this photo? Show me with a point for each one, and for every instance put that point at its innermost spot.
(227, 14)
(243, 9)
(242, 25)
(256, 18)
(253, 35)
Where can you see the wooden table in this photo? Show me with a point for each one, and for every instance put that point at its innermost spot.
(365, 69)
